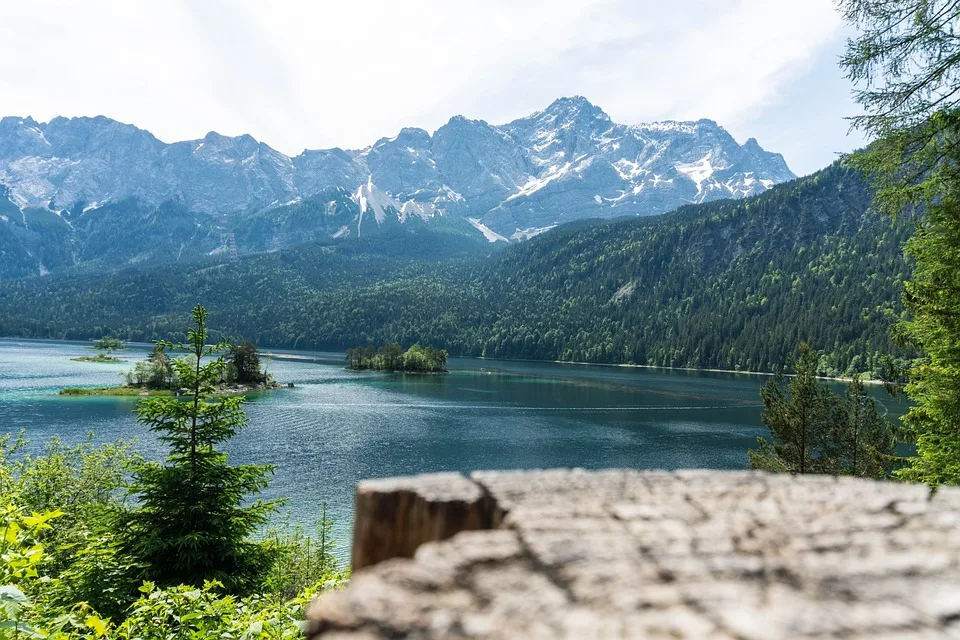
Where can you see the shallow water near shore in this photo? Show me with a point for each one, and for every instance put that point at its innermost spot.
(336, 427)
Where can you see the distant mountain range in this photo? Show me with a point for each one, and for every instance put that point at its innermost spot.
(94, 192)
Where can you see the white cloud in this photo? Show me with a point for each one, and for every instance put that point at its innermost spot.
(320, 74)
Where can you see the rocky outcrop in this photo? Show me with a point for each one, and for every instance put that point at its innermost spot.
(575, 554)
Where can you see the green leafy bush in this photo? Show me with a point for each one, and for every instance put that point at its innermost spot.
(74, 551)
(64, 577)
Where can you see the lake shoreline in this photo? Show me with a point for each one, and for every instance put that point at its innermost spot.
(124, 391)
(319, 358)
(113, 392)
(406, 372)
(98, 359)
(662, 368)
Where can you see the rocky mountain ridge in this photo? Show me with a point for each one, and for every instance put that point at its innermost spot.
(466, 166)
(507, 182)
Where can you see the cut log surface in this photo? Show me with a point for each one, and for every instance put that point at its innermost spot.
(394, 516)
(629, 554)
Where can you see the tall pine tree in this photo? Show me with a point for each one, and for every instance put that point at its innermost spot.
(907, 62)
(799, 419)
(861, 441)
(192, 522)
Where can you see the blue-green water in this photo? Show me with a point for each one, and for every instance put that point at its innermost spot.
(336, 427)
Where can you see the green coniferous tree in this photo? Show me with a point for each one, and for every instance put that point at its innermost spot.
(861, 441)
(799, 420)
(906, 58)
(245, 358)
(192, 522)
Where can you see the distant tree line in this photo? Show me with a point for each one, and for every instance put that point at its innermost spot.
(392, 357)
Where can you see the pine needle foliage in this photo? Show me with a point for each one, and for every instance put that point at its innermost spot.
(798, 418)
(861, 441)
(906, 61)
(814, 430)
(194, 519)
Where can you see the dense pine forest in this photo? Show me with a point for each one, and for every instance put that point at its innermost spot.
(729, 284)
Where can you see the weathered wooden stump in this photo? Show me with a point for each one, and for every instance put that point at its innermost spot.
(574, 554)
(394, 516)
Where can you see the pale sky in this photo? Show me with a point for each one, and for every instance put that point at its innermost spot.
(325, 73)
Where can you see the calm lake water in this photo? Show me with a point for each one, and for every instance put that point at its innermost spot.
(336, 427)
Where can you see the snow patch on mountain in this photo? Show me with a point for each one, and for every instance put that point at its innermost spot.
(698, 171)
(666, 126)
(446, 193)
(533, 185)
(423, 210)
(628, 169)
(488, 233)
(530, 232)
(370, 198)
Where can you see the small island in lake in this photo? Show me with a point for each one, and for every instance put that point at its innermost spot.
(157, 376)
(106, 346)
(100, 357)
(121, 391)
(393, 358)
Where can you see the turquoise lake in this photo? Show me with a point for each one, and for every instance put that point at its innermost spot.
(336, 427)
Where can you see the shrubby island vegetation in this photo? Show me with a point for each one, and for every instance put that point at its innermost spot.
(393, 358)
(105, 347)
(100, 357)
(109, 344)
(157, 375)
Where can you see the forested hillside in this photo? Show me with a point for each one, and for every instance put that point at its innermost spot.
(729, 284)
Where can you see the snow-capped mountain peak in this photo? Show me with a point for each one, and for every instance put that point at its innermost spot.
(567, 161)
